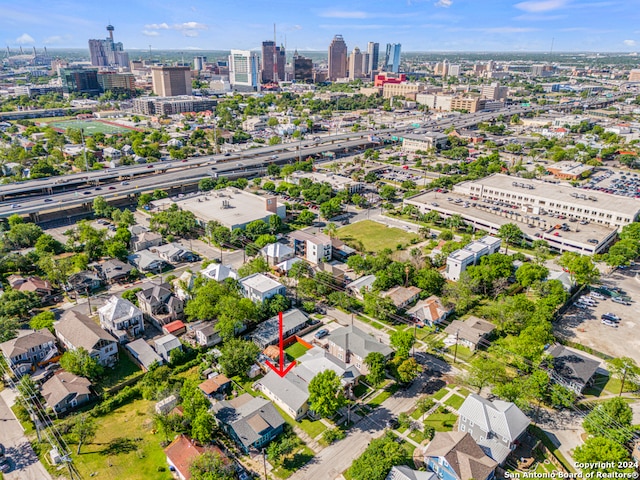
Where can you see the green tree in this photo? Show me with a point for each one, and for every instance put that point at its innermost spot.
(377, 460)
(530, 273)
(408, 370)
(101, 207)
(603, 455)
(484, 371)
(581, 267)
(511, 234)
(8, 329)
(376, 363)
(79, 362)
(203, 427)
(17, 305)
(257, 265)
(387, 192)
(210, 466)
(429, 280)
(193, 400)
(84, 430)
(43, 320)
(325, 394)
(237, 356)
(610, 419)
(306, 217)
(626, 370)
(47, 244)
(402, 341)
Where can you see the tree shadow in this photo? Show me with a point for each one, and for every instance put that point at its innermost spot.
(121, 445)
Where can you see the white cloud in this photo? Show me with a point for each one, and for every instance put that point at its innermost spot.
(55, 39)
(150, 33)
(444, 3)
(536, 6)
(630, 43)
(25, 39)
(344, 14)
(157, 26)
(190, 26)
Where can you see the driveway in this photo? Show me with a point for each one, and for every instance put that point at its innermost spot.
(564, 428)
(24, 462)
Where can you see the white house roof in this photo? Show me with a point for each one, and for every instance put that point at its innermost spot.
(117, 308)
(287, 264)
(260, 283)
(168, 342)
(364, 281)
(277, 250)
(504, 419)
(219, 272)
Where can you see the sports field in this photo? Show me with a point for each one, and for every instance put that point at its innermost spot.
(90, 127)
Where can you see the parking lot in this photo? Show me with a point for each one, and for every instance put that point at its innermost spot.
(584, 326)
(626, 184)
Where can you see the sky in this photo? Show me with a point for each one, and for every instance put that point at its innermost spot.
(419, 25)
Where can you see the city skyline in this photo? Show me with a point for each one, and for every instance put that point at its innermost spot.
(419, 25)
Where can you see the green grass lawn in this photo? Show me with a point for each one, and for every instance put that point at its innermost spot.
(90, 127)
(455, 401)
(124, 446)
(417, 436)
(296, 350)
(375, 236)
(463, 354)
(464, 392)
(301, 457)
(442, 422)
(439, 395)
(381, 397)
(360, 390)
(313, 428)
(124, 370)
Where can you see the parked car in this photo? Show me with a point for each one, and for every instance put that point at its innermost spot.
(610, 316)
(609, 323)
(597, 295)
(321, 333)
(620, 300)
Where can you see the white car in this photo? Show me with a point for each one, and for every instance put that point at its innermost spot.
(609, 323)
(587, 301)
(597, 295)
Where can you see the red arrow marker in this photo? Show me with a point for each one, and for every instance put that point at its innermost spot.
(281, 370)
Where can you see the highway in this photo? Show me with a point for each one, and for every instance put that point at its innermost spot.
(65, 192)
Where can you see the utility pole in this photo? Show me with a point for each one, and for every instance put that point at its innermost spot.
(264, 460)
(88, 300)
(455, 352)
(84, 150)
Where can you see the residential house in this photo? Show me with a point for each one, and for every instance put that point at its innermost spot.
(183, 451)
(470, 333)
(252, 422)
(76, 330)
(147, 261)
(166, 344)
(495, 425)
(177, 328)
(84, 281)
(284, 267)
(206, 335)
(165, 405)
(159, 304)
(114, 271)
(268, 332)
(23, 354)
(457, 456)
(215, 385)
(340, 250)
(121, 318)
(352, 345)
(402, 472)
(291, 392)
(183, 285)
(259, 287)
(64, 391)
(173, 253)
(219, 272)
(403, 296)
(143, 239)
(313, 248)
(276, 253)
(361, 285)
(32, 284)
(430, 311)
(570, 368)
(143, 353)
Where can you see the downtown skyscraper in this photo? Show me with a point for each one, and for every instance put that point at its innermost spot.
(273, 62)
(392, 58)
(107, 53)
(337, 58)
(373, 49)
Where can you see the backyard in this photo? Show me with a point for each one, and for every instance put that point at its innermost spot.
(374, 236)
(295, 350)
(124, 446)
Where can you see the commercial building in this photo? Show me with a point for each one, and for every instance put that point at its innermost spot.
(244, 70)
(468, 104)
(79, 80)
(458, 261)
(406, 90)
(117, 82)
(199, 63)
(337, 58)
(392, 57)
(302, 68)
(435, 101)
(171, 81)
(567, 170)
(373, 49)
(424, 142)
(172, 105)
(356, 64)
(105, 53)
(232, 207)
(634, 75)
(494, 91)
(337, 182)
(273, 62)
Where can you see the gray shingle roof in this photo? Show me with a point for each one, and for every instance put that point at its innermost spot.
(268, 332)
(472, 330)
(20, 345)
(143, 352)
(402, 472)
(463, 454)
(248, 416)
(571, 365)
(358, 342)
(504, 419)
(63, 384)
(81, 331)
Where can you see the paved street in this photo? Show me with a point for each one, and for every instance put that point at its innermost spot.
(563, 428)
(24, 462)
